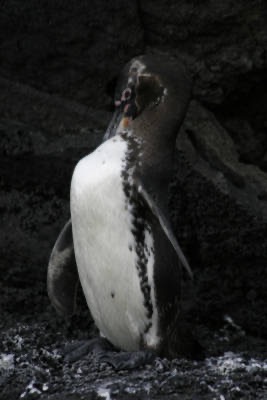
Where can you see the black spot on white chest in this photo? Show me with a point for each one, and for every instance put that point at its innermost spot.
(140, 227)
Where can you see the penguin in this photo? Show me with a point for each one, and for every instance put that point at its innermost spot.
(119, 242)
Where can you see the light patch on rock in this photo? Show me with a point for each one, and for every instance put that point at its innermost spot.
(6, 362)
(104, 393)
(30, 390)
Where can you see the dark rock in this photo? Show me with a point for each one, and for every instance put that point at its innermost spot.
(68, 48)
(219, 201)
(220, 42)
(58, 64)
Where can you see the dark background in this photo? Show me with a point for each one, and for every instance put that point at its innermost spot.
(59, 61)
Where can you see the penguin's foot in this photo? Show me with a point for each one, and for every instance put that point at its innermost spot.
(106, 352)
(128, 360)
(77, 350)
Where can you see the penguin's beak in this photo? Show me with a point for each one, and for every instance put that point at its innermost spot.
(123, 115)
(114, 124)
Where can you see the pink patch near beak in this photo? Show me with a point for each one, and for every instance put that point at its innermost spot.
(126, 108)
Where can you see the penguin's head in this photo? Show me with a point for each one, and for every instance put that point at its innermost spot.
(152, 91)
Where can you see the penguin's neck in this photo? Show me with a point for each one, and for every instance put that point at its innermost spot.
(158, 127)
(151, 138)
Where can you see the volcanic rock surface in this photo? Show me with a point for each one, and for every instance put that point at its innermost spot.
(58, 66)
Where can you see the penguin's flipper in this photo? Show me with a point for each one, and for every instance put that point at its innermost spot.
(165, 226)
(62, 274)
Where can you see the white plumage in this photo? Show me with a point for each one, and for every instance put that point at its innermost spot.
(105, 249)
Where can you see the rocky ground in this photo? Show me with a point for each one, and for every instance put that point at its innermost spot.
(57, 75)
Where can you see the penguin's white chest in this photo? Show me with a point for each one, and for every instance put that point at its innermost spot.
(105, 250)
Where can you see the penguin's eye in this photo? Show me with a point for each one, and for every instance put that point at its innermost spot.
(126, 94)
